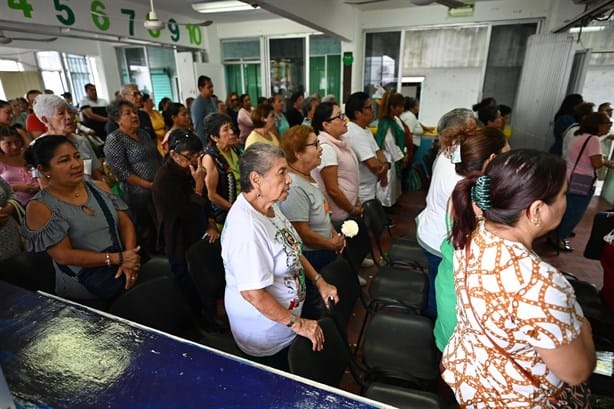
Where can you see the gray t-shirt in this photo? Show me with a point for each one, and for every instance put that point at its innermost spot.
(306, 203)
(86, 227)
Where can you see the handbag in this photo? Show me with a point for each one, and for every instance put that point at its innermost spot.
(581, 184)
(101, 280)
(567, 397)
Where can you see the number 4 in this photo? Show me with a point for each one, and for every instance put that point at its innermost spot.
(22, 5)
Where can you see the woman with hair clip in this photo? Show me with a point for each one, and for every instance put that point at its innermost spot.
(391, 139)
(478, 148)
(183, 210)
(521, 335)
(81, 225)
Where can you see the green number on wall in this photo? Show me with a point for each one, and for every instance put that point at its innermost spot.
(22, 5)
(68, 18)
(130, 13)
(173, 27)
(99, 17)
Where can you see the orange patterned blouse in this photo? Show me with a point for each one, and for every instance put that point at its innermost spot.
(522, 303)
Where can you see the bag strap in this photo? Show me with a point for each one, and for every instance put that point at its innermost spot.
(107, 215)
(580, 154)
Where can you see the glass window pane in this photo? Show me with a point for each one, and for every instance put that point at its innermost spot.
(507, 47)
(241, 50)
(320, 45)
(333, 72)
(317, 75)
(253, 83)
(233, 78)
(381, 61)
(287, 57)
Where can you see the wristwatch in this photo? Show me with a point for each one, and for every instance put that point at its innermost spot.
(292, 321)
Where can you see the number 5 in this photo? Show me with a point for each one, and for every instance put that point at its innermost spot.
(69, 20)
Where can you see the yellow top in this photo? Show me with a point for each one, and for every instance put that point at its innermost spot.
(254, 137)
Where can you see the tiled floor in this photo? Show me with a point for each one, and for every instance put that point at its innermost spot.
(410, 204)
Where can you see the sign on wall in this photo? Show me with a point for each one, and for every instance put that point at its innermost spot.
(106, 17)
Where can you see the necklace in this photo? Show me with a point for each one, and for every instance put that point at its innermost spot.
(307, 175)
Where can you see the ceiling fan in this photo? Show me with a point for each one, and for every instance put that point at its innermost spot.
(4, 39)
(447, 3)
(152, 22)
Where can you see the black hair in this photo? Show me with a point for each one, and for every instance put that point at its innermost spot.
(213, 122)
(183, 139)
(322, 114)
(410, 103)
(488, 113)
(295, 96)
(590, 123)
(505, 109)
(202, 80)
(355, 103)
(172, 110)
(42, 149)
(162, 102)
(568, 104)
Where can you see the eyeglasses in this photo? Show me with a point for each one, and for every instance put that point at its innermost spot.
(137, 94)
(191, 156)
(316, 143)
(340, 116)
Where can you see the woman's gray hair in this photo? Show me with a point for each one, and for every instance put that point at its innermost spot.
(114, 110)
(455, 117)
(44, 105)
(257, 158)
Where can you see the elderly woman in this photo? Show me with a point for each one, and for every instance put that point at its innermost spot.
(182, 206)
(13, 165)
(521, 334)
(264, 131)
(53, 111)
(221, 162)
(584, 157)
(307, 209)
(81, 225)
(134, 159)
(431, 222)
(244, 118)
(265, 267)
(337, 174)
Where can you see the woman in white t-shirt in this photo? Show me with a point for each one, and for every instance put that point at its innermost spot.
(265, 267)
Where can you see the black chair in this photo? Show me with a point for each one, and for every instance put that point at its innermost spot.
(340, 274)
(157, 266)
(326, 366)
(401, 346)
(32, 271)
(206, 268)
(403, 398)
(401, 253)
(358, 247)
(157, 303)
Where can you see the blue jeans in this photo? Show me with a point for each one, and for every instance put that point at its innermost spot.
(576, 207)
(430, 310)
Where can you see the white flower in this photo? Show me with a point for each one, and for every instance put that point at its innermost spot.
(349, 228)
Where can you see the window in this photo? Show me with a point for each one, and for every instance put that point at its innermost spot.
(382, 52)
(79, 74)
(325, 66)
(242, 67)
(52, 71)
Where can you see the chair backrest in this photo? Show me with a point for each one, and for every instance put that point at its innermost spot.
(206, 268)
(401, 344)
(156, 303)
(375, 217)
(326, 366)
(340, 274)
(32, 271)
(157, 266)
(403, 397)
(358, 247)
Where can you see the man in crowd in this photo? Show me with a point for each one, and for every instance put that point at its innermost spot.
(94, 111)
(203, 105)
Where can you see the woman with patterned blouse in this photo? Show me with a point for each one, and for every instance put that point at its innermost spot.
(521, 333)
(133, 158)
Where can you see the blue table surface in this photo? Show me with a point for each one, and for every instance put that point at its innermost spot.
(59, 355)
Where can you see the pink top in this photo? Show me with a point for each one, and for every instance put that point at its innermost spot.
(244, 121)
(18, 174)
(347, 172)
(593, 147)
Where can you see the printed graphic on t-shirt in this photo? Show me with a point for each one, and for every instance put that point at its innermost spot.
(295, 279)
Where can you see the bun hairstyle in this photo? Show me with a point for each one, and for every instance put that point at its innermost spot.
(42, 149)
(476, 146)
(509, 184)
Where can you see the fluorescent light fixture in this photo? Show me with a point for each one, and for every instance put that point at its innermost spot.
(221, 6)
(586, 29)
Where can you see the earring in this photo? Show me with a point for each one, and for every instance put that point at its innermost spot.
(536, 222)
(47, 176)
(258, 194)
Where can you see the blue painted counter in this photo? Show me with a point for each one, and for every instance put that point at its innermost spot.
(59, 355)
